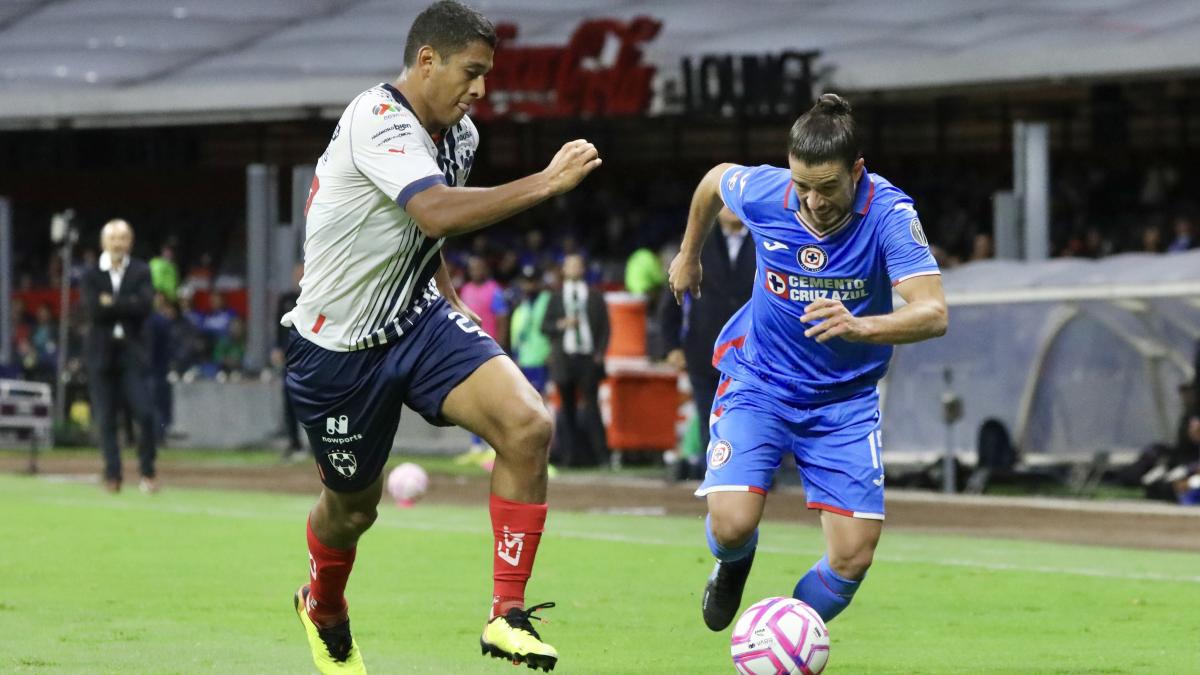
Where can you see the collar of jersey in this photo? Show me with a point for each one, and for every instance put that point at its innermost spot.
(862, 203)
(404, 102)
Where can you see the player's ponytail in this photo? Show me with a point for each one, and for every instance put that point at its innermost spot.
(826, 133)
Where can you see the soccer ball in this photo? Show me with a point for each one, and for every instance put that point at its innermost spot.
(779, 636)
(407, 483)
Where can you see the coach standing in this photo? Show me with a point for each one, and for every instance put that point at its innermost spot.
(118, 297)
(576, 322)
(729, 264)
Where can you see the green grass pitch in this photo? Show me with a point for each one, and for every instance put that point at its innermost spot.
(192, 581)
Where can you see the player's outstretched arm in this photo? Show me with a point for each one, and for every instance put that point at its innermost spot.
(925, 316)
(442, 211)
(684, 274)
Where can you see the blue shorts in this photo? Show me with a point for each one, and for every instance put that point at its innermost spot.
(349, 402)
(837, 446)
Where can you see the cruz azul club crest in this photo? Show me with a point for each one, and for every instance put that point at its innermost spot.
(721, 452)
(812, 258)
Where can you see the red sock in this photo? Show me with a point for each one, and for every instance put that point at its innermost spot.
(329, 568)
(517, 528)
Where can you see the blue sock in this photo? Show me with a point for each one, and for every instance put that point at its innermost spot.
(728, 554)
(825, 591)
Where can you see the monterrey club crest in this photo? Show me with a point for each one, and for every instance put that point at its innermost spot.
(344, 463)
(721, 452)
(918, 234)
(812, 258)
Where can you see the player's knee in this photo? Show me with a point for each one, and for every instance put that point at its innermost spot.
(528, 432)
(731, 530)
(361, 519)
(852, 564)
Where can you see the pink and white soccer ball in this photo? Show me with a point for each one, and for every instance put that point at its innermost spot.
(779, 636)
(407, 483)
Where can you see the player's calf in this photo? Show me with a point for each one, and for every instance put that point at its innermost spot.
(825, 590)
(734, 550)
(831, 583)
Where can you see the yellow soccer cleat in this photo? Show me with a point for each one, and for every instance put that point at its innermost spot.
(334, 650)
(512, 637)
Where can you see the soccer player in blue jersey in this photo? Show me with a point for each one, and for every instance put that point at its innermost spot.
(799, 363)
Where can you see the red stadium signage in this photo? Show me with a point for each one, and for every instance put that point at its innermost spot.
(531, 82)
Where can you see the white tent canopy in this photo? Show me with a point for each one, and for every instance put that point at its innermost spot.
(88, 59)
(1073, 356)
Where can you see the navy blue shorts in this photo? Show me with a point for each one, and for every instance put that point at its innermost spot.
(349, 402)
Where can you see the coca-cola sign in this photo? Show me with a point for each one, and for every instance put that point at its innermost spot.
(570, 80)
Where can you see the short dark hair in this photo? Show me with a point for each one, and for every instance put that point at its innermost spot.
(448, 27)
(825, 133)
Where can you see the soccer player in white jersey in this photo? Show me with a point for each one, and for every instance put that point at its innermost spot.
(378, 325)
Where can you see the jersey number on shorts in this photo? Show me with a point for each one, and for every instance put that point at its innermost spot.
(464, 323)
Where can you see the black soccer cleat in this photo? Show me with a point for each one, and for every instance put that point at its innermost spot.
(723, 592)
(334, 649)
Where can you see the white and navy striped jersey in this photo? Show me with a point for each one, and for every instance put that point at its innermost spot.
(368, 269)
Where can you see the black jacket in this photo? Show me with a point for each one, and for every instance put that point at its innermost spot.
(597, 314)
(724, 288)
(131, 308)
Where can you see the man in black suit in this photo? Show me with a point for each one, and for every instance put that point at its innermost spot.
(576, 322)
(728, 264)
(118, 298)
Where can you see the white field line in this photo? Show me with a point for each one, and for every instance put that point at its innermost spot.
(155, 506)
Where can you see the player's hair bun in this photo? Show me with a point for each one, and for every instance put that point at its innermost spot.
(832, 104)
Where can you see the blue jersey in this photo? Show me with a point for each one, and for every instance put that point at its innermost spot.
(880, 245)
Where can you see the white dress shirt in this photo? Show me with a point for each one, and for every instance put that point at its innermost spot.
(576, 340)
(116, 275)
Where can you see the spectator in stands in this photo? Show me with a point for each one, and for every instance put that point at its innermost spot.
(533, 251)
(508, 269)
(200, 275)
(216, 321)
(28, 363)
(981, 247)
(118, 297)
(644, 273)
(1151, 239)
(44, 338)
(22, 325)
(690, 331)
(191, 347)
(162, 354)
(188, 311)
(1185, 234)
(87, 260)
(229, 351)
(530, 346)
(485, 297)
(164, 273)
(576, 322)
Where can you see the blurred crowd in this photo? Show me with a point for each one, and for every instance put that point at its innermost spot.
(625, 229)
(195, 333)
